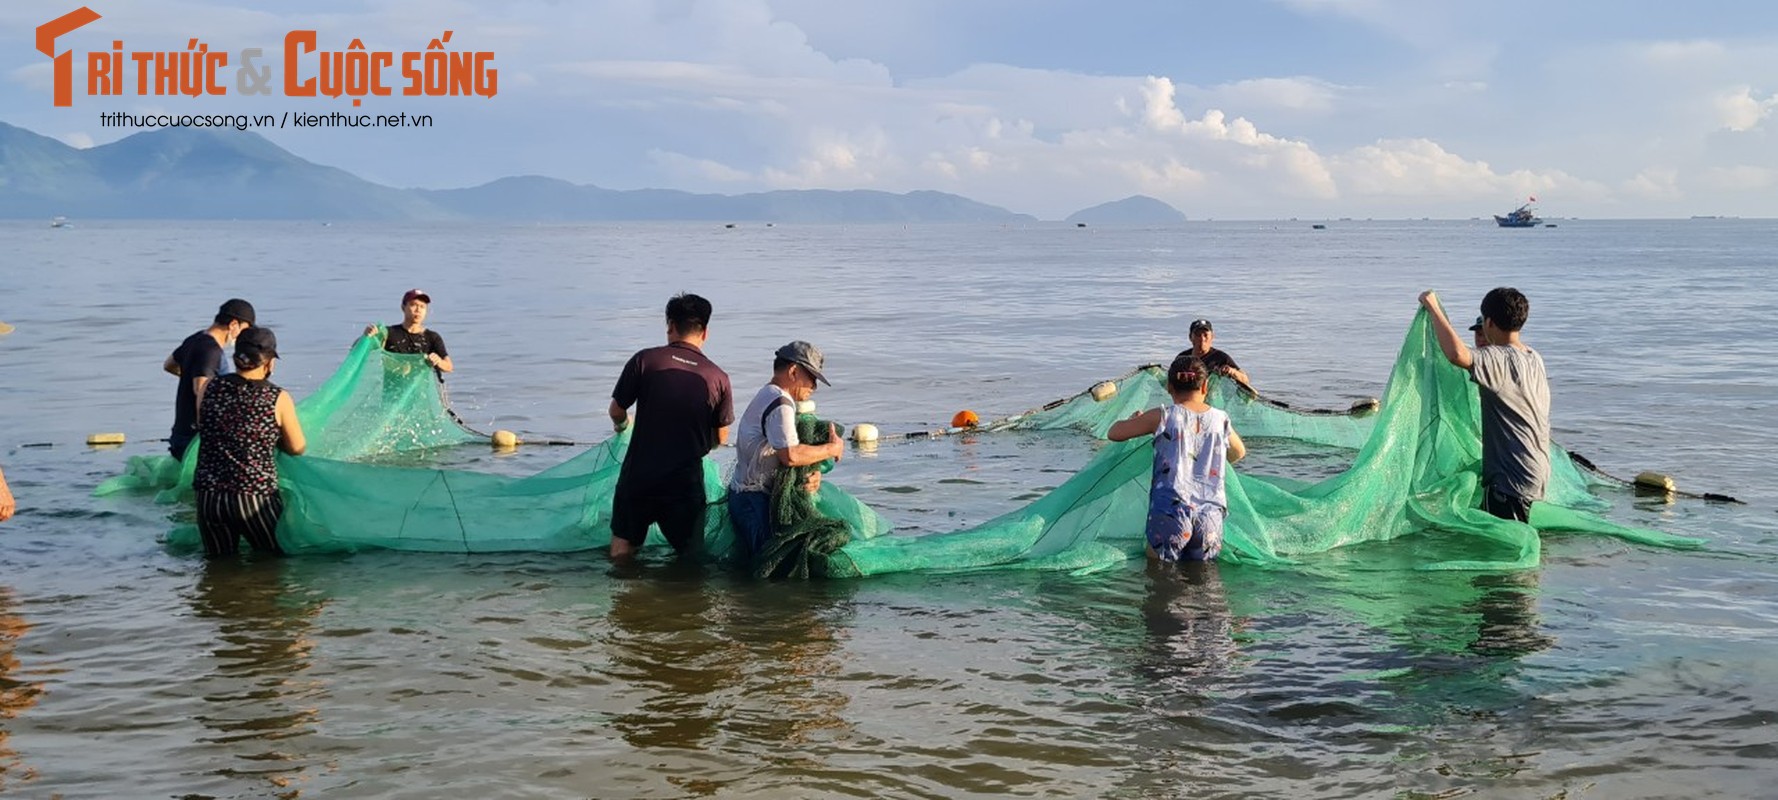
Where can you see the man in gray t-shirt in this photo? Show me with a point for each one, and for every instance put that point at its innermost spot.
(767, 440)
(1515, 393)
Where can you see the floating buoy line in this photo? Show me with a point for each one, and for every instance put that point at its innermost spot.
(867, 436)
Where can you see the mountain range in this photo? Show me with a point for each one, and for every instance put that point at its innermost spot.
(188, 173)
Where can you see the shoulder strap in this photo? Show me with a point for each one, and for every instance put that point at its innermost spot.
(778, 402)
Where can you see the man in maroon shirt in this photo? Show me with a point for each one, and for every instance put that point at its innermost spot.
(684, 407)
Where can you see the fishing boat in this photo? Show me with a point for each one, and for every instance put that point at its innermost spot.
(59, 222)
(1521, 217)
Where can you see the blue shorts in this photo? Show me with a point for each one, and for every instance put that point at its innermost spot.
(1180, 531)
(750, 513)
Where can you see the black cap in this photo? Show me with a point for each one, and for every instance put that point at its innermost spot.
(237, 309)
(1478, 324)
(1201, 325)
(258, 344)
(804, 355)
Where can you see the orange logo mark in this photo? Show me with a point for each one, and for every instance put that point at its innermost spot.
(64, 63)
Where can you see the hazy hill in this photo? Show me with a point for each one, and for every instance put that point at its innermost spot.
(186, 173)
(179, 173)
(1133, 210)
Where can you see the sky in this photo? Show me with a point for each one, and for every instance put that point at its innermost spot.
(1237, 109)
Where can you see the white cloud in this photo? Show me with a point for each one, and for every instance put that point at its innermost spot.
(732, 95)
(1422, 168)
(1296, 94)
(835, 159)
(1740, 178)
(1655, 183)
(1739, 110)
(698, 168)
(1293, 160)
(77, 139)
(38, 78)
(1671, 53)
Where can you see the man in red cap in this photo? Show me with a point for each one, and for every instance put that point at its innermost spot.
(412, 337)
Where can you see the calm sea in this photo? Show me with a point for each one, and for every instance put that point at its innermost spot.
(1612, 671)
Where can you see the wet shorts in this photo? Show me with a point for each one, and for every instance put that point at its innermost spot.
(1179, 531)
(677, 506)
(1506, 506)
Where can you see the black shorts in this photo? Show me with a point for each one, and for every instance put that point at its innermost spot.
(1506, 506)
(677, 506)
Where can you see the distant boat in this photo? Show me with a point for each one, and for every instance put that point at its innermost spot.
(1319, 226)
(1522, 217)
(59, 222)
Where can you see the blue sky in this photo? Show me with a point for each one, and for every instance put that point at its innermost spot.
(1234, 109)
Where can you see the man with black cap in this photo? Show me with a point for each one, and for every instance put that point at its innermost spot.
(684, 405)
(1219, 362)
(412, 337)
(198, 359)
(767, 440)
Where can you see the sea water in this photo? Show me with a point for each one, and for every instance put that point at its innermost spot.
(1611, 671)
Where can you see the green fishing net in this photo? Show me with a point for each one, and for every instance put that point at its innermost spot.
(802, 537)
(1414, 471)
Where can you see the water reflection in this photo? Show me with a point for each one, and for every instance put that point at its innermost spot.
(794, 634)
(722, 662)
(258, 700)
(1507, 610)
(1191, 632)
(665, 644)
(16, 693)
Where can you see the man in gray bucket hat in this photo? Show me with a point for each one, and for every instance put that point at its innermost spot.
(766, 440)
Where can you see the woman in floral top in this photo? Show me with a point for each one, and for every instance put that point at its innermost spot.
(243, 420)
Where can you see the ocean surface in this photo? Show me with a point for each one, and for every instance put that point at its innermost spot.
(1613, 671)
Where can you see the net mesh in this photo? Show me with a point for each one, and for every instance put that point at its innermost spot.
(1414, 470)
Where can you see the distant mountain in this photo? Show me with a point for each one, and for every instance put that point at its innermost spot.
(537, 198)
(186, 173)
(182, 173)
(1132, 210)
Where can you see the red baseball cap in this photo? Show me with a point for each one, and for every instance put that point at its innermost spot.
(416, 294)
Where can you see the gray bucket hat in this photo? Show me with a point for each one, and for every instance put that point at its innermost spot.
(804, 355)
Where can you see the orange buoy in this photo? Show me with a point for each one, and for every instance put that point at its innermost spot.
(965, 419)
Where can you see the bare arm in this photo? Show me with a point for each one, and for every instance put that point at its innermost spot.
(170, 365)
(1237, 448)
(7, 504)
(1455, 350)
(620, 416)
(1143, 423)
(197, 389)
(291, 440)
(722, 435)
(441, 363)
(802, 455)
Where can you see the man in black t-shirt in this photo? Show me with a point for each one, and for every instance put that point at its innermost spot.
(684, 406)
(1219, 362)
(412, 337)
(198, 359)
